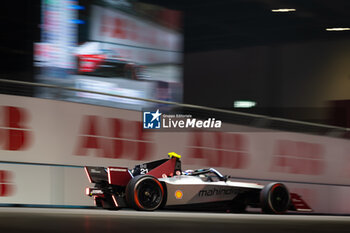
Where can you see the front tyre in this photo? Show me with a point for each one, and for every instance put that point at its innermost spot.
(144, 192)
(274, 198)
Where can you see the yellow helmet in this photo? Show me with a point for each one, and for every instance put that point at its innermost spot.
(173, 154)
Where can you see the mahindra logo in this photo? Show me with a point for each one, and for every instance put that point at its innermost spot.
(216, 192)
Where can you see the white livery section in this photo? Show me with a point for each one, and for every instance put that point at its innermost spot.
(195, 190)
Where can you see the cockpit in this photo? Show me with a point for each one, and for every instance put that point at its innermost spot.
(208, 175)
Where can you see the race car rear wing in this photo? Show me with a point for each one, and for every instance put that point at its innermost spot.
(121, 175)
(96, 174)
(112, 175)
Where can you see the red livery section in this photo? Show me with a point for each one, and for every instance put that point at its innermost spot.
(88, 63)
(166, 169)
(119, 175)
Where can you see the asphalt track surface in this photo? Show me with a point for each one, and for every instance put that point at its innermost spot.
(103, 221)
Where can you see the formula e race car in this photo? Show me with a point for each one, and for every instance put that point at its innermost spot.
(162, 184)
(95, 60)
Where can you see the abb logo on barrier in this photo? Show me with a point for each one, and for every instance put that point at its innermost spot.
(14, 132)
(6, 185)
(298, 158)
(219, 150)
(113, 138)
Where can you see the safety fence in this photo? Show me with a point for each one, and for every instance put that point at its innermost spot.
(66, 93)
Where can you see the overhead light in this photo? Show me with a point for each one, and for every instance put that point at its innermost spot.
(337, 29)
(244, 104)
(283, 10)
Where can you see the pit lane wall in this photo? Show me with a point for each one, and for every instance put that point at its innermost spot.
(45, 143)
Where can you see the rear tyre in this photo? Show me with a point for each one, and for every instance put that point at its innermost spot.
(144, 192)
(274, 198)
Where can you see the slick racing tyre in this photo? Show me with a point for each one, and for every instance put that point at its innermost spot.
(144, 192)
(274, 198)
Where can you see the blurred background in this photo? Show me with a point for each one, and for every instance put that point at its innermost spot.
(276, 72)
(283, 58)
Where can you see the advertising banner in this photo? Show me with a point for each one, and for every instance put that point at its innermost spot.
(36, 135)
(105, 47)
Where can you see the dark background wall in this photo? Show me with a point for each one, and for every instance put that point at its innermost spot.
(19, 23)
(290, 79)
